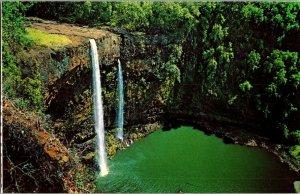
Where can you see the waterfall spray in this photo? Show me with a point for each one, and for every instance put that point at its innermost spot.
(98, 110)
(120, 118)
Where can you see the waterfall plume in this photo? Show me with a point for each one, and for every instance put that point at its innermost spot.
(98, 110)
(120, 118)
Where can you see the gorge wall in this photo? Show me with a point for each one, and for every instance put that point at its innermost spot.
(152, 92)
(67, 78)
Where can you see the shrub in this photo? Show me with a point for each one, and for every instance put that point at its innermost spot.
(245, 86)
(13, 40)
(295, 151)
(32, 90)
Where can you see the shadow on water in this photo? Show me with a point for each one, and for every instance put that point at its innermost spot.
(173, 123)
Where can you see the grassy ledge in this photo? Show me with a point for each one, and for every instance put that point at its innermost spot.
(43, 38)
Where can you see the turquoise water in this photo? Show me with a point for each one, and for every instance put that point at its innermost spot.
(187, 160)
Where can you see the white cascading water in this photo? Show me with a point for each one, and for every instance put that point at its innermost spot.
(98, 110)
(120, 118)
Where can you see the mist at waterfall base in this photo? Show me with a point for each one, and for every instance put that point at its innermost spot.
(187, 160)
(98, 110)
(120, 118)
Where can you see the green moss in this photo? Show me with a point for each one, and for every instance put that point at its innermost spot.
(43, 38)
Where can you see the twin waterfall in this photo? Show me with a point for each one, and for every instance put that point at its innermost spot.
(120, 119)
(98, 108)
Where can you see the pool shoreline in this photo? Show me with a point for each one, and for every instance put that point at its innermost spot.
(142, 156)
(233, 134)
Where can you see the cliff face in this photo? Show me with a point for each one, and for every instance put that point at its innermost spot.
(66, 73)
(47, 151)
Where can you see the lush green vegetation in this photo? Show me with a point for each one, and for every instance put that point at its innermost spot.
(235, 55)
(13, 37)
(238, 54)
(25, 90)
(232, 62)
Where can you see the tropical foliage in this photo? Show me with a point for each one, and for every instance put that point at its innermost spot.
(238, 55)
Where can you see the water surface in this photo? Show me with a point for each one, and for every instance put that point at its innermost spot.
(187, 160)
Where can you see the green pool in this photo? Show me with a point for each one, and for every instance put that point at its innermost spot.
(187, 160)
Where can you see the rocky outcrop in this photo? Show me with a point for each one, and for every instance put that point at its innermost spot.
(35, 160)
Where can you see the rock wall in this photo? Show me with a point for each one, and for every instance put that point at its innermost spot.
(66, 74)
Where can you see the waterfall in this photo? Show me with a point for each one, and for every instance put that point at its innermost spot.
(98, 110)
(120, 119)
